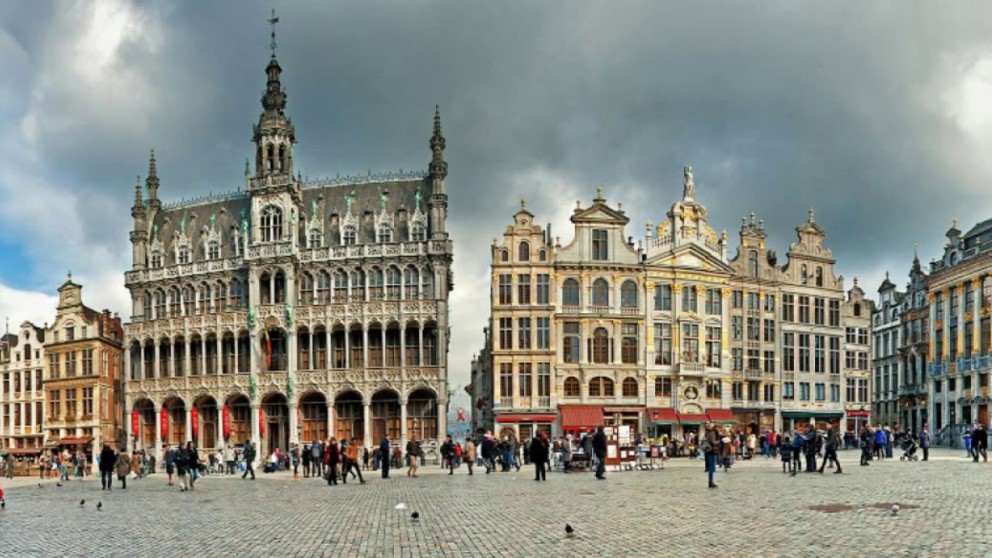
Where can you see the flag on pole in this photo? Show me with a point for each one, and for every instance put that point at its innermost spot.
(268, 350)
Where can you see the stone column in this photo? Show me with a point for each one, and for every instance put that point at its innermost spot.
(255, 436)
(219, 443)
(220, 353)
(129, 442)
(187, 357)
(203, 354)
(330, 419)
(403, 432)
(237, 361)
(294, 426)
(442, 420)
(155, 365)
(365, 346)
(347, 347)
(158, 436)
(189, 428)
(127, 365)
(367, 424)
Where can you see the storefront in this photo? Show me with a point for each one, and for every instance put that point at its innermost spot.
(624, 416)
(754, 420)
(662, 420)
(525, 426)
(723, 417)
(578, 419)
(692, 423)
(856, 418)
(802, 418)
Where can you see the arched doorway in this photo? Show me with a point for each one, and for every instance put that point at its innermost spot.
(276, 413)
(313, 415)
(385, 415)
(177, 421)
(206, 423)
(238, 412)
(421, 415)
(349, 414)
(145, 436)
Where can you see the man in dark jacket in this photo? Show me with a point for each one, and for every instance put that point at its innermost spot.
(317, 459)
(599, 449)
(811, 447)
(980, 442)
(384, 456)
(830, 450)
(925, 442)
(248, 454)
(107, 461)
(539, 457)
(489, 453)
(711, 450)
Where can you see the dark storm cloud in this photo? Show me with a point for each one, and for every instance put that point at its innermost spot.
(852, 109)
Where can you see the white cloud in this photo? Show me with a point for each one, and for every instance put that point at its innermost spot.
(18, 306)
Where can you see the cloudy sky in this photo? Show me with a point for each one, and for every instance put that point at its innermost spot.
(878, 115)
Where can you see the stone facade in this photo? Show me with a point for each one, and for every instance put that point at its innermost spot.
(480, 389)
(914, 318)
(22, 398)
(84, 377)
(887, 329)
(665, 336)
(294, 310)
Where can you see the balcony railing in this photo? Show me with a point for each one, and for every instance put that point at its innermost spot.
(544, 402)
(691, 367)
(753, 374)
(506, 402)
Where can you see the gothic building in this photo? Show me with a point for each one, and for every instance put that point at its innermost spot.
(887, 329)
(291, 311)
(669, 335)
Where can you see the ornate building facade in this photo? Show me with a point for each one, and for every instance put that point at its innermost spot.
(22, 399)
(667, 336)
(887, 358)
(480, 389)
(960, 297)
(294, 310)
(914, 318)
(84, 377)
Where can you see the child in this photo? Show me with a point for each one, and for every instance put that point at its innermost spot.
(785, 454)
(3, 503)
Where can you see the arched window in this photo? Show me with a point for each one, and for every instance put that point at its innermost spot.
(306, 288)
(504, 256)
(375, 284)
(628, 294)
(600, 346)
(183, 254)
(340, 286)
(819, 276)
(385, 233)
(271, 224)
(600, 292)
(523, 252)
(601, 386)
(752, 263)
(427, 283)
(316, 238)
(213, 250)
(542, 255)
(348, 236)
(570, 293)
(418, 232)
(393, 282)
(803, 275)
(572, 387)
(411, 283)
(323, 287)
(358, 285)
(160, 303)
(146, 305)
(629, 387)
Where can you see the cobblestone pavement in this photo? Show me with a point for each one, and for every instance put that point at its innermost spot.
(756, 511)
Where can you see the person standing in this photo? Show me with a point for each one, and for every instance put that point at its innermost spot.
(294, 457)
(306, 461)
(566, 453)
(192, 464)
(182, 467)
(412, 456)
(448, 454)
(170, 462)
(925, 442)
(811, 448)
(384, 455)
(123, 467)
(229, 459)
(980, 442)
(107, 461)
(331, 457)
(248, 455)
(711, 449)
(317, 459)
(866, 439)
(599, 449)
(830, 450)
(470, 454)
(539, 457)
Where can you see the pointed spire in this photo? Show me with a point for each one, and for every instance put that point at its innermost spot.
(438, 167)
(151, 182)
(139, 203)
(811, 219)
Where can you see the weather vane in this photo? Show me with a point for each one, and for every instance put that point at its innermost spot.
(273, 21)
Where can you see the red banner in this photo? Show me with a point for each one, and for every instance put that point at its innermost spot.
(194, 415)
(165, 424)
(135, 423)
(261, 421)
(227, 423)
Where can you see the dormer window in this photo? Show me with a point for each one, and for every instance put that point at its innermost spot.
(803, 275)
(348, 236)
(385, 234)
(183, 254)
(600, 251)
(418, 233)
(271, 224)
(213, 250)
(819, 276)
(316, 238)
(156, 260)
(752, 263)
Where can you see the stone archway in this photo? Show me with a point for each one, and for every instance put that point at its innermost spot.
(207, 423)
(349, 414)
(276, 416)
(313, 417)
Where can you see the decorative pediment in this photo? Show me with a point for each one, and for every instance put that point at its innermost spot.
(600, 213)
(691, 256)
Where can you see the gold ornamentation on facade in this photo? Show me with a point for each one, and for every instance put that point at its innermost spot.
(677, 288)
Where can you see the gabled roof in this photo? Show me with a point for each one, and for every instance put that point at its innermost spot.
(682, 255)
(600, 213)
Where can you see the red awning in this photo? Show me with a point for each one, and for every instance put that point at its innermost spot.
(580, 416)
(863, 413)
(74, 441)
(526, 417)
(24, 451)
(664, 415)
(690, 418)
(723, 416)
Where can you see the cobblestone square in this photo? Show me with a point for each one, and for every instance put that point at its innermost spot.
(755, 511)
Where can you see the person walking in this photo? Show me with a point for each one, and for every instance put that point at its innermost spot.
(170, 462)
(539, 457)
(182, 467)
(317, 459)
(566, 453)
(123, 467)
(136, 465)
(470, 454)
(866, 440)
(980, 442)
(412, 456)
(599, 449)
(925, 442)
(711, 449)
(352, 460)
(830, 450)
(384, 455)
(248, 455)
(192, 464)
(331, 457)
(448, 453)
(107, 461)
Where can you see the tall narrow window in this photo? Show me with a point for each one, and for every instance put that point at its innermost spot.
(570, 293)
(543, 333)
(506, 333)
(688, 299)
(752, 263)
(525, 373)
(523, 289)
(523, 333)
(713, 347)
(601, 346)
(663, 344)
(663, 298)
(271, 224)
(690, 342)
(628, 294)
(600, 293)
(523, 252)
(570, 353)
(628, 347)
(505, 288)
(543, 288)
(600, 247)
(348, 236)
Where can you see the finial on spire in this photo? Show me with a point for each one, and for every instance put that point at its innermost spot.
(273, 21)
(151, 181)
(855, 280)
(954, 223)
(811, 221)
(523, 203)
(599, 194)
(68, 275)
(438, 167)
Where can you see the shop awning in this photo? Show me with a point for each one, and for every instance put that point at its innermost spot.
(74, 441)
(859, 413)
(23, 451)
(691, 418)
(812, 414)
(580, 416)
(721, 416)
(526, 417)
(664, 415)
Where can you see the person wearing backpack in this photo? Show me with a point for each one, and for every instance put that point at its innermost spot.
(710, 447)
